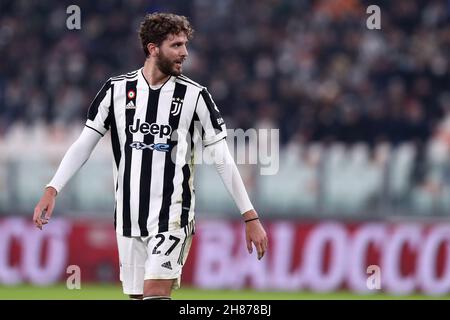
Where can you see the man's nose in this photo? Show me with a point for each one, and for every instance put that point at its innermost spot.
(184, 52)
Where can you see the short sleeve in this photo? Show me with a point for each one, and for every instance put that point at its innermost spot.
(99, 113)
(213, 125)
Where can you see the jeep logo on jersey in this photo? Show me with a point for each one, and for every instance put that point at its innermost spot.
(153, 129)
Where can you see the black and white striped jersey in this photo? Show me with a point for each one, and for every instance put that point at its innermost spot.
(153, 155)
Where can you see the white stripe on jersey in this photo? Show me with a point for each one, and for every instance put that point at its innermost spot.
(153, 194)
(183, 147)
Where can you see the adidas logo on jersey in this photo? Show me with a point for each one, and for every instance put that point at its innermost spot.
(130, 105)
(167, 265)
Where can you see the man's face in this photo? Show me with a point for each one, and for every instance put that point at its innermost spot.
(172, 53)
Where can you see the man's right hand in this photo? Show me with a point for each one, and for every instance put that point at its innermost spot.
(46, 204)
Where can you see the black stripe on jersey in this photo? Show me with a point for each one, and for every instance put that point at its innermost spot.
(186, 79)
(129, 74)
(93, 108)
(123, 76)
(115, 206)
(115, 217)
(107, 122)
(169, 165)
(122, 79)
(186, 194)
(180, 256)
(114, 134)
(146, 163)
(214, 114)
(94, 130)
(196, 118)
(129, 119)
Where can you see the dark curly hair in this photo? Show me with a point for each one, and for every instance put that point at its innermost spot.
(157, 26)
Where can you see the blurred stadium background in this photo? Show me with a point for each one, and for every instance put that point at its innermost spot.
(364, 120)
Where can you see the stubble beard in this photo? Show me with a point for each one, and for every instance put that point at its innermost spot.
(166, 66)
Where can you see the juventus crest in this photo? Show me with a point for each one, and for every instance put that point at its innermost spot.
(177, 103)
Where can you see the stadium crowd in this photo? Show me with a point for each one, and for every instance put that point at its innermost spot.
(311, 68)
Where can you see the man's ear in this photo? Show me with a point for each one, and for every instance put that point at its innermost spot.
(153, 49)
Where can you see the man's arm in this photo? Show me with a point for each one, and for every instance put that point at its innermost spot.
(232, 180)
(73, 160)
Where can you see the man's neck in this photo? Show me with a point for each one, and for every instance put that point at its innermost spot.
(152, 74)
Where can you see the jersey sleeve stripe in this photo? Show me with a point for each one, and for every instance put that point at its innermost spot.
(93, 109)
(186, 79)
(213, 113)
(183, 81)
(107, 122)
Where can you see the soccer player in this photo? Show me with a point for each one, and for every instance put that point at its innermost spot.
(152, 113)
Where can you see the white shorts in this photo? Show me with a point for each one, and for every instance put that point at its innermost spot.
(161, 256)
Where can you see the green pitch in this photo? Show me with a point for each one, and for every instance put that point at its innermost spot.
(114, 292)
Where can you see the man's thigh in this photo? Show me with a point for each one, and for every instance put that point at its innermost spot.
(132, 257)
(167, 252)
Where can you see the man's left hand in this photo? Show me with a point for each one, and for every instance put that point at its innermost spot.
(255, 233)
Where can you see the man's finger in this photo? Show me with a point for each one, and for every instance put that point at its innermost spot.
(49, 211)
(259, 249)
(37, 217)
(262, 254)
(37, 221)
(37, 213)
(249, 245)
